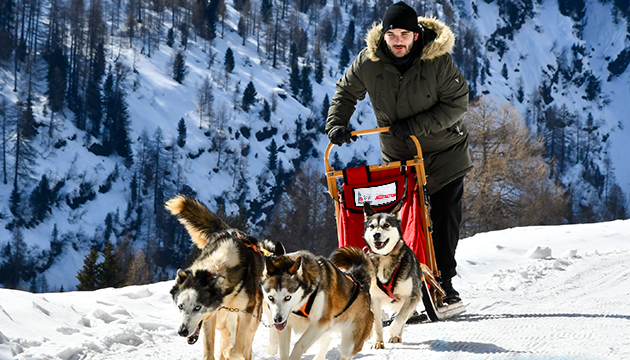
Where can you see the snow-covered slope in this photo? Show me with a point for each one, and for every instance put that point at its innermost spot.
(572, 304)
(540, 45)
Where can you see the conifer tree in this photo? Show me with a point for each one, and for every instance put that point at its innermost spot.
(88, 274)
(26, 122)
(179, 67)
(107, 274)
(93, 92)
(183, 28)
(241, 29)
(94, 106)
(170, 37)
(181, 133)
(229, 60)
(348, 39)
(23, 151)
(319, 71)
(325, 106)
(117, 118)
(14, 202)
(265, 113)
(504, 71)
(16, 266)
(123, 143)
(41, 199)
(249, 96)
(56, 78)
(272, 159)
(307, 87)
(344, 58)
(266, 11)
(294, 81)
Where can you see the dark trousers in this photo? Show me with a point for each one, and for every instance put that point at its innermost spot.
(446, 214)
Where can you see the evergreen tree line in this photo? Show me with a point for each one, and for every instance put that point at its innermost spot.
(574, 141)
(22, 264)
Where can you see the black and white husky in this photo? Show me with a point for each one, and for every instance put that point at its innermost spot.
(221, 290)
(398, 272)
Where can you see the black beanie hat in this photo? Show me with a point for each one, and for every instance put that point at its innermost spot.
(400, 16)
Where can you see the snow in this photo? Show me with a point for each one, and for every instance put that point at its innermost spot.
(553, 292)
(156, 100)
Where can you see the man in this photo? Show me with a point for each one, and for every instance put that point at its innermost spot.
(415, 88)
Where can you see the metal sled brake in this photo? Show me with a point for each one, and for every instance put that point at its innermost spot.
(384, 186)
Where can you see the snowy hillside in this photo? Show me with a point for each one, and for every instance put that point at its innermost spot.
(563, 64)
(557, 292)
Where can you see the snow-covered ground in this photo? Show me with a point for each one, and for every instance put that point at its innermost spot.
(556, 292)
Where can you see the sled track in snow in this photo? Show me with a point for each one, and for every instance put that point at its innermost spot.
(482, 317)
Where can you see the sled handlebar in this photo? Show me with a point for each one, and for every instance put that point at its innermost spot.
(378, 130)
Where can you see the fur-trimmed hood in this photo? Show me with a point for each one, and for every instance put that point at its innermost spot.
(443, 43)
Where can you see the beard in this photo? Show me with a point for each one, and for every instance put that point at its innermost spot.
(400, 50)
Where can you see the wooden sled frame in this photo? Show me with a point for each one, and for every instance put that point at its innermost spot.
(432, 291)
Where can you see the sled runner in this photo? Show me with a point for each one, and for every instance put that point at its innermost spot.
(385, 186)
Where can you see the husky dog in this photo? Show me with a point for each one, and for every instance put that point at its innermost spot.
(398, 272)
(226, 276)
(312, 296)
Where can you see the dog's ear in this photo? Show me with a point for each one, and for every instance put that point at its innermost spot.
(368, 210)
(204, 276)
(396, 210)
(269, 266)
(296, 267)
(279, 249)
(182, 275)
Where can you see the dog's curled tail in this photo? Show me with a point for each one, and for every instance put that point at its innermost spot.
(355, 262)
(199, 221)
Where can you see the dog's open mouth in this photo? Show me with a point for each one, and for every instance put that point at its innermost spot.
(281, 326)
(194, 337)
(380, 244)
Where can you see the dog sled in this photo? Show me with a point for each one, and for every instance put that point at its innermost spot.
(384, 186)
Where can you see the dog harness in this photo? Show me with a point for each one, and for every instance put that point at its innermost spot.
(355, 293)
(388, 287)
(306, 309)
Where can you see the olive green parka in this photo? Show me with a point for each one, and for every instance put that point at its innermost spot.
(432, 93)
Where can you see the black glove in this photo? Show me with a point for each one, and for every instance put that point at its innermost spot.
(341, 135)
(400, 129)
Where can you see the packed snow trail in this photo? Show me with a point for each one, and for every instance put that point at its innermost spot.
(573, 305)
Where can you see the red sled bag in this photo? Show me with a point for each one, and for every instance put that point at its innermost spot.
(384, 190)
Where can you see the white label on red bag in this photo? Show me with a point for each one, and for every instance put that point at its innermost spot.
(375, 195)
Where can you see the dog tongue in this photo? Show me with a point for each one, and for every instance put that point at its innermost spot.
(378, 244)
(280, 326)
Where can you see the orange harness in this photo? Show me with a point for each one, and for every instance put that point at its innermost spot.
(254, 247)
(306, 309)
(388, 287)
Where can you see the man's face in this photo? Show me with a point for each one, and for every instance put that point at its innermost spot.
(400, 41)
